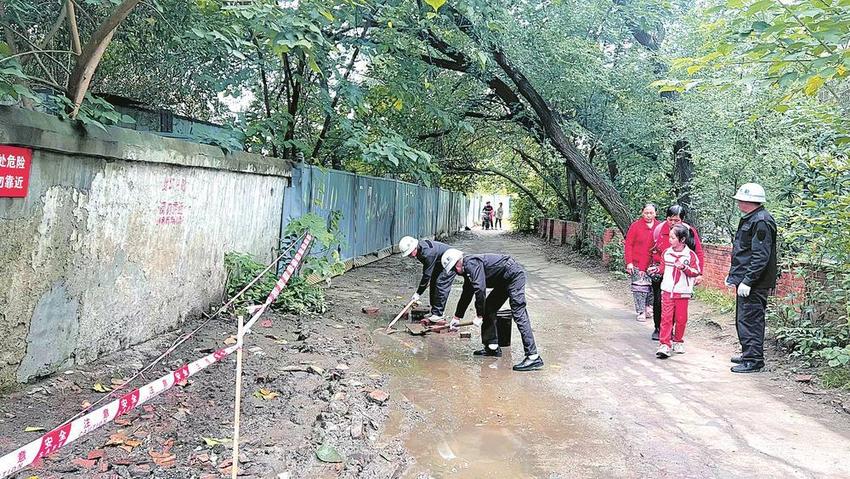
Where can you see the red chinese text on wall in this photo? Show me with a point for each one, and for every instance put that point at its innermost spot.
(15, 166)
(171, 209)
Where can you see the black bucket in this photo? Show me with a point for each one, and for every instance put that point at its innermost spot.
(504, 323)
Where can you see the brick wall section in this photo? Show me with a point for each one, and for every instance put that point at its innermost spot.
(718, 258)
(717, 261)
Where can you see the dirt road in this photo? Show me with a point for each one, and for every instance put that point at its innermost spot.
(604, 406)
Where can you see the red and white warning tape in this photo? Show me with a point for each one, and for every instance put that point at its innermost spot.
(73, 430)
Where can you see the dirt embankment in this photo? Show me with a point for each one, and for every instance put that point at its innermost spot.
(308, 391)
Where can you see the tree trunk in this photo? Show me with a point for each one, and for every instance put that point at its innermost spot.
(606, 194)
(683, 173)
(87, 62)
(571, 193)
(73, 31)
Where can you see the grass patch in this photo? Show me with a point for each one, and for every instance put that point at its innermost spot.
(835, 378)
(718, 300)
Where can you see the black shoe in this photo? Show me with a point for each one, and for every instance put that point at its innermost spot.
(655, 335)
(737, 359)
(485, 351)
(529, 364)
(748, 367)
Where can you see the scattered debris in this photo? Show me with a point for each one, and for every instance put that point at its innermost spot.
(379, 396)
(803, 378)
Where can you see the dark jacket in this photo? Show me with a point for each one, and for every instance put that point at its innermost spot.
(482, 271)
(429, 253)
(754, 251)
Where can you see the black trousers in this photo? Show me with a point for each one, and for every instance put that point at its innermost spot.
(498, 222)
(749, 321)
(513, 290)
(433, 292)
(656, 301)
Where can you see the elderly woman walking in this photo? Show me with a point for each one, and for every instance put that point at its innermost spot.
(638, 254)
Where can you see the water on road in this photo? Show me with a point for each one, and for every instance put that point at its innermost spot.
(603, 406)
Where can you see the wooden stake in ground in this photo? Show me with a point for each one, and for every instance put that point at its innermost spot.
(234, 467)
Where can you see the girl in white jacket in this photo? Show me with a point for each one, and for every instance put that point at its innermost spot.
(680, 268)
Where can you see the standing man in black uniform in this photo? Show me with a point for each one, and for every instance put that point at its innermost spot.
(429, 253)
(507, 278)
(753, 273)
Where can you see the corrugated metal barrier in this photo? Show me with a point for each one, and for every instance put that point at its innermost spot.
(376, 212)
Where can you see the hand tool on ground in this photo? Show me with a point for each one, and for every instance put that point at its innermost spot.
(400, 314)
(430, 329)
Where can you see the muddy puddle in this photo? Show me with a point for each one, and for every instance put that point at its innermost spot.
(461, 416)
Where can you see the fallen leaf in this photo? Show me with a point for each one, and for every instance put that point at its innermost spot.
(266, 323)
(803, 378)
(33, 429)
(116, 439)
(85, 405)
(117, 382)
(213, 441)
(230, 341)
(130, 444)
(266, 394)
(328, 453)
(100, 388)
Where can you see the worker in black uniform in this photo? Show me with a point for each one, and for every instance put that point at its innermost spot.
(753, 273)
(507, 280)
(429, 253)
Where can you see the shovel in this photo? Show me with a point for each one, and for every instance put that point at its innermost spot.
(400, 314)
(430, 329)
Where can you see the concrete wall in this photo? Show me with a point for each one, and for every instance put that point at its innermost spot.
(122, 236)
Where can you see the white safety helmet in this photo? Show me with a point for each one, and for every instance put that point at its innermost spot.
(751, 192)
(407, 245)
(450, 258)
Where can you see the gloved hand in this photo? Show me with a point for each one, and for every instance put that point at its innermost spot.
(415, 297)
(453, 323)
(743, 290)
(478, 321)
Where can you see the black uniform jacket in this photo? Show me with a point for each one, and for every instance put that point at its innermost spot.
(482, 271)
(754, 251)
(430, 254)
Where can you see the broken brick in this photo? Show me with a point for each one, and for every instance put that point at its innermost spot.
(87, 464)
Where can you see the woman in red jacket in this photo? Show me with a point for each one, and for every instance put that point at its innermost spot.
(639, 243)
(661, 236)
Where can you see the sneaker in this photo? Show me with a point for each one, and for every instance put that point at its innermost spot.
(655, 335)
(529, 364)
(663, 352)
(641, 317)
(679, 348)
(738, 359)
(434, 318)
(485, 351)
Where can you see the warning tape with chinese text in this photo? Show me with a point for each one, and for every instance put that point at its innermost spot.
(73, 430)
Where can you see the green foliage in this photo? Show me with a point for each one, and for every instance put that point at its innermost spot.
(325, 263)
(297, 297)
(718, 300)
(838, 378)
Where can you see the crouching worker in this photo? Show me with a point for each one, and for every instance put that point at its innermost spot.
(507, 278)
(429, 253)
